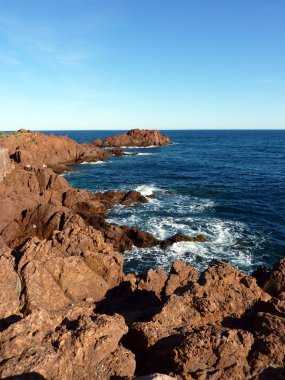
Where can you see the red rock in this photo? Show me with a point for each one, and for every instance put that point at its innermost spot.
(74, 265)
(77, 345)
(153, 281)
(10, 285)
(4, 163)
(269, 347)
(222, 291)
(135, 137)
(35, 149)
(180, 275)
(210, 352)
(272, 281)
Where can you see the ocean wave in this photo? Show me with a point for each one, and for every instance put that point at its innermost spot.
(93, 162)
(227, 241)
(147, 190)
(141, 147)
(147, 154)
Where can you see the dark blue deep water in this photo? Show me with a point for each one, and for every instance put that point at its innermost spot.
(227, 185)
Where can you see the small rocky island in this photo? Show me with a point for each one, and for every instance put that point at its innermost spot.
(67, 310)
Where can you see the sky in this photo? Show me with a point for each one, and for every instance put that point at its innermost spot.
(120, 64)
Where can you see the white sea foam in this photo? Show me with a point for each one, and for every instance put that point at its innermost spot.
(147, 190)
(146, 154)
(167, 214)
(140, 147)
(93, 162)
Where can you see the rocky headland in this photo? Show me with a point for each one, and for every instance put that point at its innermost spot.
(67, 310)
(135, 137)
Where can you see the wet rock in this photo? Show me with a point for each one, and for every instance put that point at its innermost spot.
(179, 238)
(139, 238)
(135, 137)
(118, 152)
(112, 198)
(133, 197)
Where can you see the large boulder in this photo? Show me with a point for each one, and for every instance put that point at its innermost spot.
(72, 266)
(76, 345)
(272, 281)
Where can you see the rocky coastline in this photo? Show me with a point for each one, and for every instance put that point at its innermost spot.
(68, 311)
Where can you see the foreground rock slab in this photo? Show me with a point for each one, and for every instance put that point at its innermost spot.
(77, 345)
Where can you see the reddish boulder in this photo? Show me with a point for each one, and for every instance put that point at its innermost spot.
(180, 275)
(153, 281)
(77, 345)
(272, 281)
(74, 265)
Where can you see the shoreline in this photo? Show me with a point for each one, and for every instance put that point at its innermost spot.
(62, 261)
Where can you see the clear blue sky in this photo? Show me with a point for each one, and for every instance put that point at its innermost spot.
(118, 64)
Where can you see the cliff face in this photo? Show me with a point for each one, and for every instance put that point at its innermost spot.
(4, 162)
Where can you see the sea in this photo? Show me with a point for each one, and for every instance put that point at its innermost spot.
(226, 185)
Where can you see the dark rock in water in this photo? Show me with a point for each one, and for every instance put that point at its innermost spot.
(112, 198)
(179, 237)
(133, 197)
(141, 239)
(118, 152)
(135, 137)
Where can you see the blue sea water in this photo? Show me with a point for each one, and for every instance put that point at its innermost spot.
(226, 185)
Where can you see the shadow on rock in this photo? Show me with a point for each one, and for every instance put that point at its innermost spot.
(134, 305)
(26, 376)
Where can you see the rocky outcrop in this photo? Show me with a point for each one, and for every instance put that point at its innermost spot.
(33, 149)
(4, 162)
(272, 281)
(135, 137)
(67, 310)
(76, 345)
